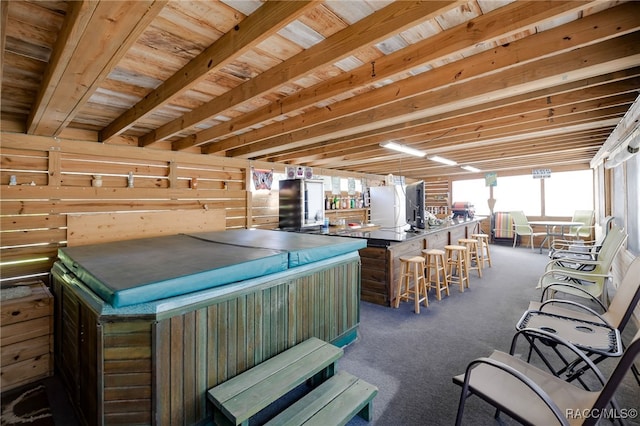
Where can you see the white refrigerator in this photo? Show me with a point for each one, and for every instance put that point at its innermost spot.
(387, 206)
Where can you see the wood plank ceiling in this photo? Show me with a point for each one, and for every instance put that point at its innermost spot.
(498, 85)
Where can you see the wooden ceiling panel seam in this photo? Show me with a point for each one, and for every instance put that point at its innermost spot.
(4, 18)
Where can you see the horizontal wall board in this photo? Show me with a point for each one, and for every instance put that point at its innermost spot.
(101, 228)
(26, 237)
(104, 206)
(64, 193)
(12, 223)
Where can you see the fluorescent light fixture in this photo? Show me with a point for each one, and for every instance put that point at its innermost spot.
(403, 148)
(442, 160)
(470, 169)
(629, 147)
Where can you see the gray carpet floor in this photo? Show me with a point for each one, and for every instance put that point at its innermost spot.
(411, 358)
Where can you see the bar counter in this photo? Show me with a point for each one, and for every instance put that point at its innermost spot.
(380, 259)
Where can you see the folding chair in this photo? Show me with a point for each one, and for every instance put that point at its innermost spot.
(536, 397)
(597, 340)
(583, 249)
(591, 274)
(521, 228)
(585, 231)
(617, 315)
(502, 226)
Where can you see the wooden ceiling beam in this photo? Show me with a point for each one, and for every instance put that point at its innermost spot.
(578, 140)
(472, 81)
(469, 94)
(530, 124)
(620, 91)
(579, 154)
(376, 27)
(589, 138)
(364, 160)
(363, 154)
(257, 27)
(81, 59)
(429, 170)
(496, 153)
(630, 78)
(485, 29)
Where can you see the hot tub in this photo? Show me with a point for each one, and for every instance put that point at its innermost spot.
(146, 326)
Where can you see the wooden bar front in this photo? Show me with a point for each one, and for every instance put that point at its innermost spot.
(380, 260)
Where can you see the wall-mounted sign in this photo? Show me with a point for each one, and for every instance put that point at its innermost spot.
(262, 179)
(491, 179)
(541, 173)
(335, 185)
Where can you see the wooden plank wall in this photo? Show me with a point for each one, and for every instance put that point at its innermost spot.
(438, 194)
(55, 177)
(108, 227)
(264, 209)
(55, 180)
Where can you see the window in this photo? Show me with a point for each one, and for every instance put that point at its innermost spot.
(518, 193)
(475, 192)
(566, 192)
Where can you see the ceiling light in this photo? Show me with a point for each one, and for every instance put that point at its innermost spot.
(470, 169)
(442, 160)
(629, 147)
(403, 148)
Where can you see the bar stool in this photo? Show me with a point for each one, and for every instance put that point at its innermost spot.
(483, 248)
(412, 267)
(435, 264)
(472, 254)
(456, 257)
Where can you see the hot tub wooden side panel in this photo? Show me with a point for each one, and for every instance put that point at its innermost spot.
(197, 350)
(156, 369)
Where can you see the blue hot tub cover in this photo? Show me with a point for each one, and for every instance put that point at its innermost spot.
(129, 272)
(301, 248)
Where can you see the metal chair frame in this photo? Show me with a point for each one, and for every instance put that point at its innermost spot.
(547, 388)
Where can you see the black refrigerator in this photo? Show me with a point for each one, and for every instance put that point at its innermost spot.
(301, 204)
